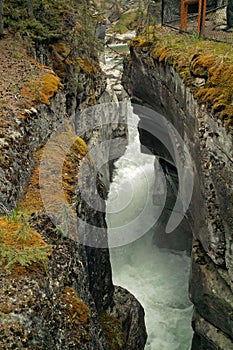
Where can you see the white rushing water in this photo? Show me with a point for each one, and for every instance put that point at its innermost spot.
(158, 278)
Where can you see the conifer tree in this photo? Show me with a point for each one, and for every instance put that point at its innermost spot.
(30, 9)
(1, 17)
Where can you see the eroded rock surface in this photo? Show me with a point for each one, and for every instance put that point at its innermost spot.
(157, 85)
(57, 305)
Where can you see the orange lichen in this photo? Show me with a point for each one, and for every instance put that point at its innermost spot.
(63, 156)
(88, 65)
(201, 63)
(113, 331)
(41, 89)
(140, 41)
(77, 315)
(59, 57)
(218, 92)
(62, 49)
(77, 311)
(163, 54)
(32, 201)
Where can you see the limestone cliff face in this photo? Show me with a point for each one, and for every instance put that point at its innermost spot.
(156, 84)
(67, 300)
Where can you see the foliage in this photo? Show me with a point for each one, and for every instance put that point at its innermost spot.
(52, 21)
(24, 257)
(218, 91)
(127, 21)
(19, 244)
(1, 17)
(113, 331)
(137, 18)
(146, 13)
(87, 65)
(47, 22)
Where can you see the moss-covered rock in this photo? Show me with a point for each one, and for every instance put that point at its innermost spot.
(194, 57)
(113, 331)
(42, 89)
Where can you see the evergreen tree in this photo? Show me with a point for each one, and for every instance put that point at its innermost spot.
(230, 14)
(30, 9)
(1, 17)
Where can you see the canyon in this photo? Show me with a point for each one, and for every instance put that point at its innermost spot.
(56, 278)
(154, 83)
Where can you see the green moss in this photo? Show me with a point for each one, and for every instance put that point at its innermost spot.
(127, 21)
(195, 57)
(113, 331)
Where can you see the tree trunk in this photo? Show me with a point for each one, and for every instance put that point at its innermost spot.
(1, 17)
(30, 9)
(118, 7)
(230, 14)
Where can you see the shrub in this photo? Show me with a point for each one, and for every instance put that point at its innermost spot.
(21, 245)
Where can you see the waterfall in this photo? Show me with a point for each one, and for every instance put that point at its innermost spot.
(157, 277)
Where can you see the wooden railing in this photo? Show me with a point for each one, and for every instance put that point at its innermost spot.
(201, 14)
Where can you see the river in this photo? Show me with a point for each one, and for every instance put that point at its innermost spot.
(157, 277)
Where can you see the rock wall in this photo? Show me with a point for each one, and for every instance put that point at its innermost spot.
(69, 302)
(155, 84)
(19, 141)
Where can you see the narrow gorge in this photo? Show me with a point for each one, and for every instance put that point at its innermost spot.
(158, 77)
(115, 181)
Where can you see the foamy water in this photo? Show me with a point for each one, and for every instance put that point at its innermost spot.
(158, 278)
